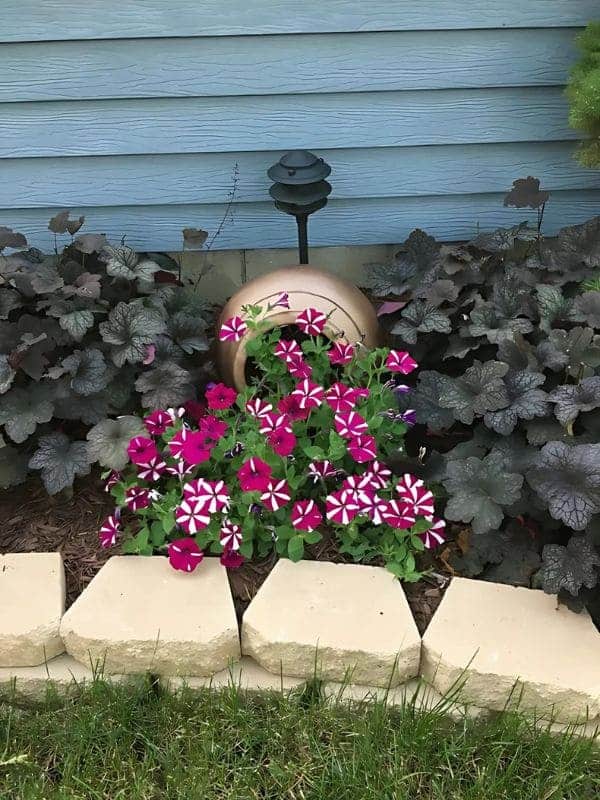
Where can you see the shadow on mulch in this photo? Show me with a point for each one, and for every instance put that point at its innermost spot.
(34, 522)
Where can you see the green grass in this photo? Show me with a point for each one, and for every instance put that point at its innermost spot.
(133, 743)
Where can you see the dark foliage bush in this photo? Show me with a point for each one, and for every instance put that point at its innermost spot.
(88, 336)
(508, 395)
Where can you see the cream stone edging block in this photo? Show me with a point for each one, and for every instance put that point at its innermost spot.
(340, 622)
(139, 615)
(509, 645)
(32, 602)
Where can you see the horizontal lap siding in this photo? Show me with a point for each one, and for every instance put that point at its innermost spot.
(135, 114)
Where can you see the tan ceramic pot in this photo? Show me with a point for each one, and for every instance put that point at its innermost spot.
(352, 319)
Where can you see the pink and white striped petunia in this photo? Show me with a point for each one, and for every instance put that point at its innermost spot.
(378, 475)
(341, 353)
(230, 535)
(398, 515)
(276, 495)
(214, 495)
(311, 321)
(282, 441)
(157, 422)
(192, 515)
(309, 394)
(282, 301)
(177, 442)
(298, 367)
(415, 494)
(141, 449)
(400, 361)
(112, 480)
(321, 469)
(254, 475)
(180, 469)
(192, 490)
(358, 486)
(375, 507)
(274, 422)
(110, 530)
(184, 554)
(340, 397)
(363, 449)
(287, 349)
(233, 329)
(360, 393)
(306, 516)
(341, 507)
(258, 408)
(436, 534)
(137, 497)
(349, 424)
(153, 470)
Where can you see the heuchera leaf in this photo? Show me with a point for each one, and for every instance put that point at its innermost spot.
(567, 478)
(22, 410)
(123, 262)
(13, 466)
(587, 308)
(509, 556)
(574, 246)
(423, 318)
(87, 369)
(425, 401)
(504, 239)
(518, 353)
(485, 322)
(569, 568)
(526, 193)
(418, 262)
(165, 385)
(77, 323)
(526, 401)
(9, 300)
(478, 491)
(7, 374)
(8, 238)
(553, 306)
(571, 400)
(439, 292)
(188, 332)
(108, 440)
(60, 461)
(479, 390)
(577, 351)
(129, 328)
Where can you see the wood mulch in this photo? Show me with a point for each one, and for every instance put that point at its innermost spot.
(34, 522)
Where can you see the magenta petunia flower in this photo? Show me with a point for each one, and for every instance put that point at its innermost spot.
(153, 470)
(283, 301)
(409, 417)
(341, 353)
(112, 480)
(311, 321)
(275, 422)
(258, 408)
(231, 559)
(400, 361)
(230, 535)
(287, 349)
(398, 515)
(141, 450)
(436, 534)
(363, 449)
(309, 394)
(298, 367)
(196, 409)
(220, 396)
(276, 495)
(193, 490)
(290, 406)
(254, 475)
(137, 497)
(415, 494)
(360, 393)
(306, 516)
(378, 475)
(195, 450)
(340, 397)
(282, 441)
(177, 442)
(212, 428)
(180, 469)
(375, 507)
(359, 488)
(341, 507)
(157, 422)
(177, 413)
(109, 532)
(321, 469)
(214, 494)
(349, 424)
(192, 515)
(233, 329)
(184, 554)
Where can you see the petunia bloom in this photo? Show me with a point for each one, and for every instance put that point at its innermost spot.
(254, 475)
(230, 535)
(184, 554)
(153, 470)
(212, 428)
(298, 367)
(359, 488)
(258, 408)
(341, 353)
(177, 441)
(415, 494)
(435, 535)
(363, 449)
(311, 321)
(192, 515)
(282, 301)
(179, 469)
(287, 349)
(282, 441)
(349, 424)
(309, 394)
(378, 475)
(109, 532)
(276, 495)
(341, 507)
(290, 406)
(306, 516)
(340, 397)
(112, 480)
(195, 450)
(321, 469)
(137, 497)
(273, 422)
(231, 559)
(213, 494)
(398, 515)
(220, 396)
(157, 422)
(400, 361)
(375, 507)
(233, 329)
(141, 450)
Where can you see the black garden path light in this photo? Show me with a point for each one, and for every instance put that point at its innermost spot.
(300, 189)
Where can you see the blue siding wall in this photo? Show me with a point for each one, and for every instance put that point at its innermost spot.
(135, 114)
